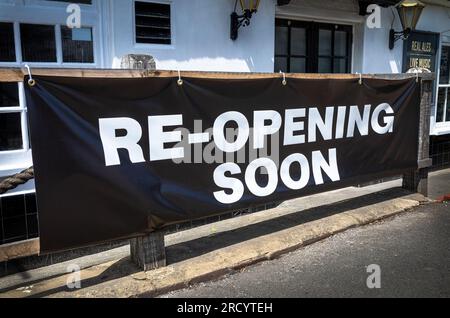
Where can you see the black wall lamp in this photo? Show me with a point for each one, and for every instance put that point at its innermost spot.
(249, 7)
(409, 12)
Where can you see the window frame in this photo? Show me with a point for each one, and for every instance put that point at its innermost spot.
(333, 27)
(18, 159)
(22, 109)
(312, 55)
(60, 55)
(58, 47)
(91, 20)
(172, 29)
(442, 127)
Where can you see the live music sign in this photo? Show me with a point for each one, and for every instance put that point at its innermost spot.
(420, 50)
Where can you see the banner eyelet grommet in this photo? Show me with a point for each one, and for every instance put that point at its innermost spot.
(31, 81)
(284, 82)
(180, 81)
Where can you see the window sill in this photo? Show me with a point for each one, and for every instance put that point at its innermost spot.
(50, 65)
(441, 129)
(154, 46)
(26, 188)
(14, 161)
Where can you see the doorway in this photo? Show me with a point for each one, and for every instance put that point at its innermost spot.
(311, 47)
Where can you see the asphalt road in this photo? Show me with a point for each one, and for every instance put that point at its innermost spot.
(412, 251)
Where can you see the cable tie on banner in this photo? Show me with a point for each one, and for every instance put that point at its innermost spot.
(284, 82)
(31, 81)
(180, 81)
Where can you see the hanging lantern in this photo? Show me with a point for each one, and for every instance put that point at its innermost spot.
(409, 12)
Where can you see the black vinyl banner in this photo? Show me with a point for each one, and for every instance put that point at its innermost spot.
(117, 158)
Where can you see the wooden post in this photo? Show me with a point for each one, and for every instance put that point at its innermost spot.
(417, 180)
(148, 252)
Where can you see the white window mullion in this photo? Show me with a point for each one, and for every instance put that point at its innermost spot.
(18, 43)
(97, 47)
(4, 110)
(445, 105)
(24, 122)
(58, 41)
(24, 118)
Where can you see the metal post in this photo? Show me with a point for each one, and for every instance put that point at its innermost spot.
(417, 180)
(148, 251)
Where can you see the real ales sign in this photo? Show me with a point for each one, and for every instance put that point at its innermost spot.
(420, 50)
(116, 158)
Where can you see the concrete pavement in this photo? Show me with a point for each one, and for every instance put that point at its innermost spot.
(412, 251)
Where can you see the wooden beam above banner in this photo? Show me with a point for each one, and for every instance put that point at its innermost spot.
(17, 74)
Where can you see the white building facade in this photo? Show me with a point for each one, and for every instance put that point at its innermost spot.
(314, 36)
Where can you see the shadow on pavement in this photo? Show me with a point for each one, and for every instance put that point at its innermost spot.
(194, 248)
(183, 251)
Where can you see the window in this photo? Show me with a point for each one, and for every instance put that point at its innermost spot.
(10, 132)
(152, 23)
(11, 118)
(77, 45)
(9, 94)
(38, 43)
(308, 47)
(19, 218)
(7, 45)
(443, 98)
